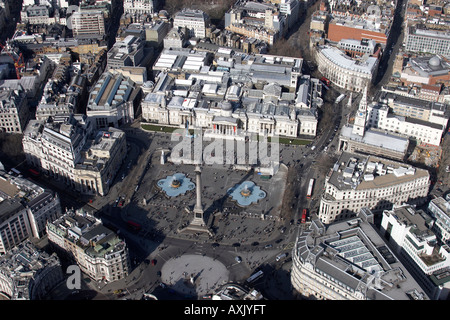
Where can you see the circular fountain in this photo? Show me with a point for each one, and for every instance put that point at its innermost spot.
(246, 193)
(176, 184)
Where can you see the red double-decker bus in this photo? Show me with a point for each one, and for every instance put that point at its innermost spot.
(133, 226)
(33, 172)
(304, 216)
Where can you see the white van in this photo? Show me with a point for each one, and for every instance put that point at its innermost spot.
(281, 256)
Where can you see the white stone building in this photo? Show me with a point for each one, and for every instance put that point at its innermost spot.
(264, 112)
(357, 181)
(349, 260)
(343, 71)
(439, 208)
(27, 273)
(175, 38)
(196, 22)
(422, 40)
(425, 132)
(36, 14)
(409, 232)
(128, 52)
(137, 7)
(358, 137)
(69, 149)
(14, 112)
(98, 251)
(245, 93)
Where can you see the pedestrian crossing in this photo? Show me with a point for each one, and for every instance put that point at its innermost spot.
(199, 249)
(289, 246)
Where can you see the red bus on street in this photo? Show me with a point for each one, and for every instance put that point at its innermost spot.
(33, 172)
(304, 216)
(133, 226)
(325, 81)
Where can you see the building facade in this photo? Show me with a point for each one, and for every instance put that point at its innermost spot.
(14, 113)
(427, 41)
(175, 38)
(349, 261)
(343, 71)
(195, 21)
(98, 251)
(24, 210)
(358, 181)
(439, 209)
(409, 232)
(137, 7)
(29, 274)
(90, 23)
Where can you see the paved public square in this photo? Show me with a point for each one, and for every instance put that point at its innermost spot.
(161, 214)
(194, 275)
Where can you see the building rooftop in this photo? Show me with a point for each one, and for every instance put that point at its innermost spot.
(433, 65)
(377, 138)
(417, 219)
(352, 254)
(391, 98)
(110, 91)
(236, 292)
(87, 233)
(191, 13)
(23, 265)
(356, 171)
(339, 58)
(17, 192)
(432, 33)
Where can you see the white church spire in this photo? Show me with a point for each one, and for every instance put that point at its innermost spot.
(360, 117)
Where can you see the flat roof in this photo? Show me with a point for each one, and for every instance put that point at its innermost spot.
(364, 166)
(352, 254)
(377, 139)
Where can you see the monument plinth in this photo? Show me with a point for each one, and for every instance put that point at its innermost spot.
(198, 223)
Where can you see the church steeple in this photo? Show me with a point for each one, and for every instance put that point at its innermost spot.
(360, 117)
(363, 102)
